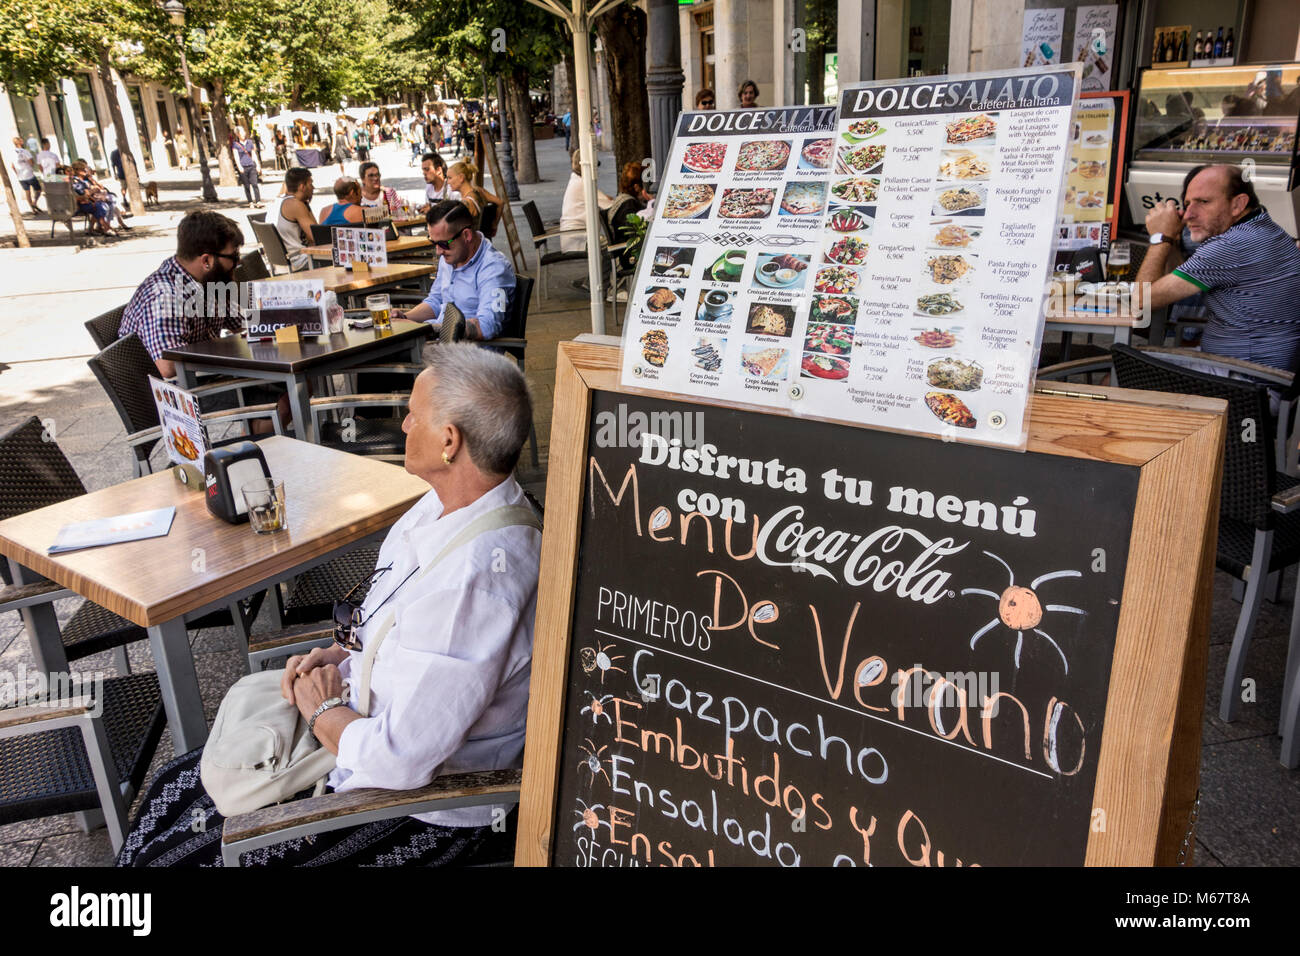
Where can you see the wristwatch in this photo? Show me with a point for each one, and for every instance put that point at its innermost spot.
(325, 705)
(1159, 237)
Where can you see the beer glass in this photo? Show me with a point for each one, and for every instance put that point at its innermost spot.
(380, 311)
(1118, 262)
(265, 500)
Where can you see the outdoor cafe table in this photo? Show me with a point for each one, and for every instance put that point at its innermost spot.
(292, 363)
(395, 247)
(378, 278)
(334, 501)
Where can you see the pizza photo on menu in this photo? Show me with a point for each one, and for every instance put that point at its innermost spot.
(816, 153)
(686, 201)
(803, 199)
(859, 189)
(762, 155)
(979, 128)
(746, 203)
(704, 157)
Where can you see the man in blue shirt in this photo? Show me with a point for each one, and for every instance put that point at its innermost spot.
(475, 276)
(1246, 266)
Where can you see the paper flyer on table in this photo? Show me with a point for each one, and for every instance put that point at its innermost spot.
(911, 299)
(178, 412)
(131, 527)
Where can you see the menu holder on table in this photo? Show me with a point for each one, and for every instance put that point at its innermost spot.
(183, 434)
(298, 302)
(115, 530)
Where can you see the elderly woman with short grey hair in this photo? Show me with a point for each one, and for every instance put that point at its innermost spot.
(452, 597)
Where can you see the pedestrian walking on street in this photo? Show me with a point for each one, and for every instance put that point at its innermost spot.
(244, 151)
(25, 172)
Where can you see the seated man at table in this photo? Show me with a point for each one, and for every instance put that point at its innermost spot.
(292, 216)
(449, 692)
(479, 280)
(191, 297)
(1247, 267)
(347, 211)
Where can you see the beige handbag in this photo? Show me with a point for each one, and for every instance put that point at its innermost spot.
(260, 751)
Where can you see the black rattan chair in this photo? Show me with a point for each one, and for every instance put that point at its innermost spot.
(103, 328)
(124, 369)
(251, 268)
(540, 239)
(1259, 524)
(513, 339)
(82, 753)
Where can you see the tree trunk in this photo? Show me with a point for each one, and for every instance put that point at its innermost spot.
(221, 127)
(622, 33)
(130, 171)
(525, 149)
(16, 214)
(571, 76)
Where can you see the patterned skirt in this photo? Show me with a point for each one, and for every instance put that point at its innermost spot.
(179, 825)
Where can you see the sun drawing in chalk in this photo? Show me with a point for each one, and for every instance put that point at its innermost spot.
(592, 760)
(598, 657)
(587, 817)
(1020, 610)
(597, 708)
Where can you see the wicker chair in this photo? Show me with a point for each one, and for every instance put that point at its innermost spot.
(103, 328)
(513, 340)
(80, 753)
(541, 237)
(1259, 513)
(124, 369)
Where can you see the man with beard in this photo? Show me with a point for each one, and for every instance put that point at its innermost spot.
(191, 297)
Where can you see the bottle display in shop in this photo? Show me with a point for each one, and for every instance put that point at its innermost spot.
(1218, 44)
(1199, 47)
(1227, 44)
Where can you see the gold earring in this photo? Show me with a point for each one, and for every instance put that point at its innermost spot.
(446, 460)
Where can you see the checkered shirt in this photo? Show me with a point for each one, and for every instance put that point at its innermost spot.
(170, 310)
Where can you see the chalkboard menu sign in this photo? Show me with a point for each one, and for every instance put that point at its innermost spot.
(772, 641)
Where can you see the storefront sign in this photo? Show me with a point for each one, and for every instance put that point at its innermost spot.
(1040, 37)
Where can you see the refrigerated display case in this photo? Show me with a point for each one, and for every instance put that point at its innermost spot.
(1235, 114)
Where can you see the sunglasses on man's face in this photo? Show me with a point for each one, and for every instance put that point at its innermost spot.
(445, 244)
(706, 102)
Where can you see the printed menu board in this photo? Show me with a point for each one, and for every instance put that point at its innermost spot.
(1089, 215)
(730, 253)
(884, 268)
(178, 413)
(351, 244)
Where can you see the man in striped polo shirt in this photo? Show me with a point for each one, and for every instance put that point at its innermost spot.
(1247, 267)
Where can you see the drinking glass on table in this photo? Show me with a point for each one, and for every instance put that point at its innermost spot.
(1118, 262)
(380, 311)
(265, 500)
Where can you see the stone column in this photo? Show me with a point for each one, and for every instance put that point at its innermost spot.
(731, 45)
(857, 42)
(664, 78)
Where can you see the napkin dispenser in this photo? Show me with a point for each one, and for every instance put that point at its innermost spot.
(225, 472)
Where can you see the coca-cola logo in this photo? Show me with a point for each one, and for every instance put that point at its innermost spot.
(891, 558)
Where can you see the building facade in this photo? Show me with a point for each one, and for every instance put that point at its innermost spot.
(74, 115)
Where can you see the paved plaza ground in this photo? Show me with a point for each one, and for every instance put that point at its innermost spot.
(1250, 805)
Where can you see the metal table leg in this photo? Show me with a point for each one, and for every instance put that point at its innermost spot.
(179, 684)
(300, 408)
(42, 625)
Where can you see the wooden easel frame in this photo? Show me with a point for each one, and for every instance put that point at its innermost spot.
(1148, 768)
(507, 216)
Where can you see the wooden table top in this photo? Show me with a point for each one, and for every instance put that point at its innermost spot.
(401, 244)
(1122, 317)
(235, 351)
(408, 223)
(333, 498)
(339, 279)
